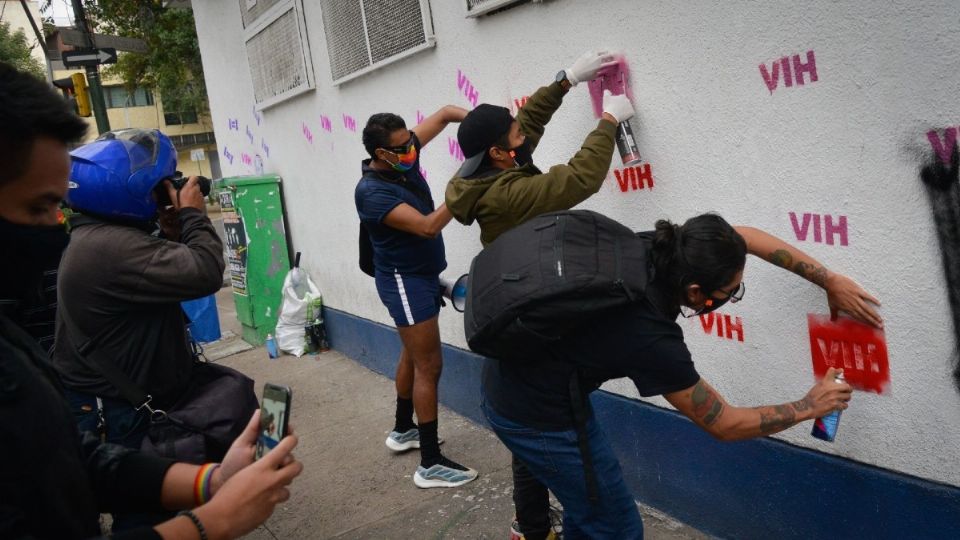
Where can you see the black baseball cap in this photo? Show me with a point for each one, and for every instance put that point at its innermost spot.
(479, 130)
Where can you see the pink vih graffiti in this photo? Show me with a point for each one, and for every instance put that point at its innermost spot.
(454, 148)
(824, 228)
(793, 70)
(349, 122)
(306, 132)
(465, 86)
(943, 147)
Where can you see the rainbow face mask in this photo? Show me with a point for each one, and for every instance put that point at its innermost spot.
(406, 157)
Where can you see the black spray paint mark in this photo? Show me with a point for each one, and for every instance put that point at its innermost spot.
(943, 190)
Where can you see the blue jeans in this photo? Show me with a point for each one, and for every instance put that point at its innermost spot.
(124, 426)
(553, 457)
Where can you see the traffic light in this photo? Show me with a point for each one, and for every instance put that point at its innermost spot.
(81, 91)
(75, 90)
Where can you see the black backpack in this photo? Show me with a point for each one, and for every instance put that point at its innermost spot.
(542, 278)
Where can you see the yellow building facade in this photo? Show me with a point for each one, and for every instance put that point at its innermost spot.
(191, 133)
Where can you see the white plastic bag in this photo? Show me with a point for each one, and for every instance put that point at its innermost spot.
(301, 298)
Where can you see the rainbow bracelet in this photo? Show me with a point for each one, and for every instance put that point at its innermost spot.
(202, 483)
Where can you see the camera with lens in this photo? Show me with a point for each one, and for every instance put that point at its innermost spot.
(179, 180)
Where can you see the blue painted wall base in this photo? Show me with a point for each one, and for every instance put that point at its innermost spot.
(753, 489)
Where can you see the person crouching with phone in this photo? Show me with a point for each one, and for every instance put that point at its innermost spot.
(55, 481)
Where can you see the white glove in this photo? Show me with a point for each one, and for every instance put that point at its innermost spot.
(618, 107)
(586, 67)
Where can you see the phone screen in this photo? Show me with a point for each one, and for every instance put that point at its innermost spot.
(274, 415)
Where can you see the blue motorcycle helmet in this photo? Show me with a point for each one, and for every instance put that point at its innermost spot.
(115, 175)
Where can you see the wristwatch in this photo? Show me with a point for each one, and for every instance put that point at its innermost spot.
(562, 79)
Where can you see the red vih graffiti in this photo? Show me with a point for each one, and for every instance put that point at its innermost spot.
(860, 350)
(725, 326)
(634, 178)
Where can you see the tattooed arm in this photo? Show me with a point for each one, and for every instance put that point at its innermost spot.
(707, 408)
(843, 293)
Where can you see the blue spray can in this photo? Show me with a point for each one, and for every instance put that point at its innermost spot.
(825, 428)
(272, 349)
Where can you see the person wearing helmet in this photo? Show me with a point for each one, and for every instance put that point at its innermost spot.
(55, 480)
(122, 279)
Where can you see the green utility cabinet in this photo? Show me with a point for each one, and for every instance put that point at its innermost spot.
(257, 252)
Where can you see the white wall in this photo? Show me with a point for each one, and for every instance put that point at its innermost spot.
(850, 144)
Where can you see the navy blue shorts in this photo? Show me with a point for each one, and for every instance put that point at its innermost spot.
(409, 299)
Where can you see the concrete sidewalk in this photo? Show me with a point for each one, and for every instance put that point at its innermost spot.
(352, 485)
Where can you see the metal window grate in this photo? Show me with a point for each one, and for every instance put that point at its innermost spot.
(476, 8)
(346, 37)
(278, 55)
(393, 27)
(363, 35)
(251, 10)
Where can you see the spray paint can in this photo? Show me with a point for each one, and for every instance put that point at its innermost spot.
(627, 145)
(625, 141)
(825, 428)
(272, 349)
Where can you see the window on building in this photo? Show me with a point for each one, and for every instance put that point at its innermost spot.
(278, 53)
(363, 35)
(476, 8)
(117, 97)
(179, 118)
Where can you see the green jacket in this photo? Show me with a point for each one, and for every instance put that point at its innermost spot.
(505, 198)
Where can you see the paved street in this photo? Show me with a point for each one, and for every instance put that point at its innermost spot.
(352, 486)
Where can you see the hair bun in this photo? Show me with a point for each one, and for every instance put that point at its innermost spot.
(666, 236)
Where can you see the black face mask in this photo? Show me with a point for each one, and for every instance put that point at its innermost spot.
(30, 250)
(523, 154)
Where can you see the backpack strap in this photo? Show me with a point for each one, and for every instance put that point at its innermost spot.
(580, 425)
(94, 358)
(416, 190)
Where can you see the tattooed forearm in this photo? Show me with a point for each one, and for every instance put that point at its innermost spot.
(816, 274)
(706, 405)
(781, 258)
(779, 417)
(803, 404)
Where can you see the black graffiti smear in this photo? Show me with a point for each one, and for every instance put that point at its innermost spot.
(943, 190)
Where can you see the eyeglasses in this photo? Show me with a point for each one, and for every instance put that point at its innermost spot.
(735, 295)
(405, 148)
(712, 303)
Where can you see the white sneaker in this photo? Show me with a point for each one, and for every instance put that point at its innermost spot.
(401, 442)
(447, 473)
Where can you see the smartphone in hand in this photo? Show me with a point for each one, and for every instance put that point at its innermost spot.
(274, 417)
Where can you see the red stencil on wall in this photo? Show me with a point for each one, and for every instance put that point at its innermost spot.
(859, 349)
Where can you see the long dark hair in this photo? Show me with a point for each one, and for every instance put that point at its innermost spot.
(705, 250)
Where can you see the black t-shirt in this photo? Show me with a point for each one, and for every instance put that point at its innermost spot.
(641, 341)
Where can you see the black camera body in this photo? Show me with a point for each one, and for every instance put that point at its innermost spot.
(179, 181)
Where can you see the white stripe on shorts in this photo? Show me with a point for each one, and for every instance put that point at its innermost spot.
(403, 298)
